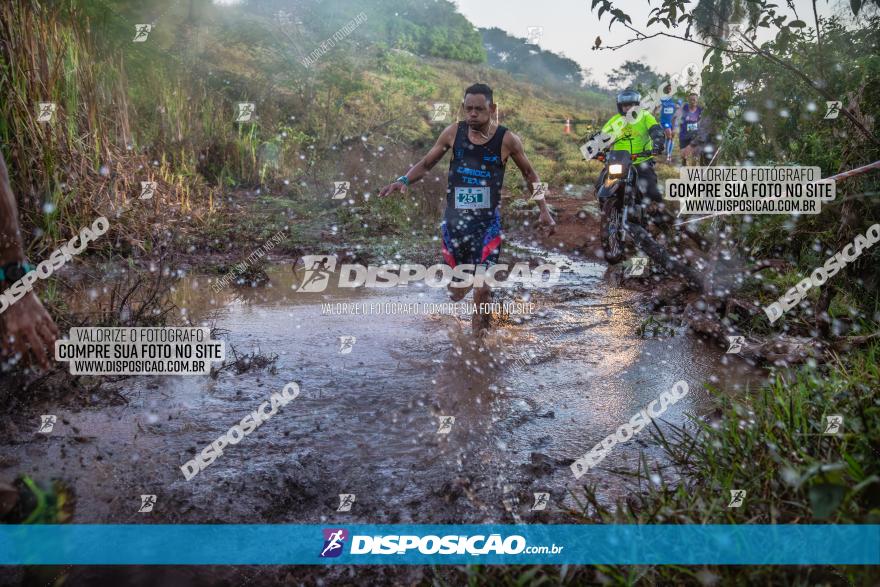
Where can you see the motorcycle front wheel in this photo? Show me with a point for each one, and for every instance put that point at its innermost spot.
(612, 244)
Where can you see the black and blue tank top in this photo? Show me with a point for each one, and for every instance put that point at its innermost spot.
(476, 175)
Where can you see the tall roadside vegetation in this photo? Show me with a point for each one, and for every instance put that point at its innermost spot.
(766, 79)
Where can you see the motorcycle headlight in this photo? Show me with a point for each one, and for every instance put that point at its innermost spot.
(615, 169)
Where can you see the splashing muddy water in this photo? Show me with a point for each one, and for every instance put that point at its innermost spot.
(539, 391)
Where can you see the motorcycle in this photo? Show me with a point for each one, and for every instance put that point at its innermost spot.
(624, 217)
(617, 201)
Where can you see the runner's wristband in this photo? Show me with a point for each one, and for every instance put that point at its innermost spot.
(12, 272)
(403, 179)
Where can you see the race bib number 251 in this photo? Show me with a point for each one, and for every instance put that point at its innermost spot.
(472, 198)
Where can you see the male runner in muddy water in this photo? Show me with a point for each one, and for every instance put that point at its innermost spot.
(471, 226)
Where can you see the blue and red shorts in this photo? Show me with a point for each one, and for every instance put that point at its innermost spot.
(472, 240)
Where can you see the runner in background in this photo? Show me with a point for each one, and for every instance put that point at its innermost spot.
(691, 113)
(668, 113)
(702, 145)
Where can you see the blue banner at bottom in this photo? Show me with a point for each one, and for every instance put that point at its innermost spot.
(264, 544)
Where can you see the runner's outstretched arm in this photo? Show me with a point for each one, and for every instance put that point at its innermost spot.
(518, 154)
(443, 144)
(25, 326)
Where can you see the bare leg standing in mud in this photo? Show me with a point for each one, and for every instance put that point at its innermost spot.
(471, 227)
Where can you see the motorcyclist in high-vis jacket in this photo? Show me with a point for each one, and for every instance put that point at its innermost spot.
(639, 136)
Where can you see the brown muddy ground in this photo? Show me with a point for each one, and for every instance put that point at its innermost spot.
(367, 422)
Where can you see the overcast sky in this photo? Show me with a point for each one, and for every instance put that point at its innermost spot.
(570, 28)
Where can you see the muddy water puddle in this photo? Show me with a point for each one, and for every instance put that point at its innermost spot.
(373, 415)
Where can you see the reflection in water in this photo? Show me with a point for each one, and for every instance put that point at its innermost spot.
(531, 396)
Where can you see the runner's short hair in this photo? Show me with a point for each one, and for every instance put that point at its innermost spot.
(480, 89)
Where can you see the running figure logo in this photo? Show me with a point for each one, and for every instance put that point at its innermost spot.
(340, 189)
(245, 111)
(440, 112)
(735, 34)
(638, 266)
(346, 500)
(533, 37)
(46, 111)
(47, 423)
(334, 540)
(147, 503)
(283, 17)
(148, 188)
(318, 269)
(446, 423)
(833, 109)
(541, 501)
(736, 344)
(346, 344)
(141, 32)
(834, 424)
(539, 190)
(736, 498)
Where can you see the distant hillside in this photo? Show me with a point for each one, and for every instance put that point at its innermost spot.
(342, 90)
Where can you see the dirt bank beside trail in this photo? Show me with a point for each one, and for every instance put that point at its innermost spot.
(577, 226)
